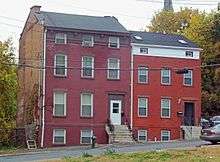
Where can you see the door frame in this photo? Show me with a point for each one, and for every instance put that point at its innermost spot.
(193, 112)
(120, 110)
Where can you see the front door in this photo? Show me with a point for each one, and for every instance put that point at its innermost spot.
(115, 112)
(189, 114)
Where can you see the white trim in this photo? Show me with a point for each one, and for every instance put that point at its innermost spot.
(162, 46)
(146, 102)
(146, 73)
(81, 135)
(191, 79)
(82, 65)
(161, 76)
(118, 42)
(146, 135)
(91, 115)
(92, 41)
(43, 87)
(65, 38)
(118, 65)
(64, 135)
(161, 134)
(162, 107)
(132, 88)
(119, 112)
(65, 94)
(55, 61)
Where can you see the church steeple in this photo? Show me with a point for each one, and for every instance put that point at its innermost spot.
(168, 5)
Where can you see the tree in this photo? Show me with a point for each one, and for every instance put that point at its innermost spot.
(8, 90)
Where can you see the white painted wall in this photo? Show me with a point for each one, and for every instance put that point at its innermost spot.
(165, 52)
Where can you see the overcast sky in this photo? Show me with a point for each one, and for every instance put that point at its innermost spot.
(133, 14)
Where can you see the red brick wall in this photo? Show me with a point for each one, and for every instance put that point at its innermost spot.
(74, 85)
(177, 92)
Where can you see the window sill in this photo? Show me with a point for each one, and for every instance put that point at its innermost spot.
(59, 144)
(142, 116)
(164, 117)
(113, 79)
(59, 116)
(86, 117)
(163, 84)
(60, 76)
(84, 77)
(145, 83)
(190, 86)
(114, 48)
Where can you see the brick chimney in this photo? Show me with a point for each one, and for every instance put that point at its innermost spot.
(35, 9)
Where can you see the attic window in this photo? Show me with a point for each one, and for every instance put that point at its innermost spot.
(189, 53)
(60, 38)
(137, 37)
(144, 50)
(182, 41)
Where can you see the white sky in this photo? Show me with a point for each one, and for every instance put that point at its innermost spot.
(133, 14)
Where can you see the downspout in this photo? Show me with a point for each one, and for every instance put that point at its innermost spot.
(43, 87)
(132, 80)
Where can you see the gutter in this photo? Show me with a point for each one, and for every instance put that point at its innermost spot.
(43, 87)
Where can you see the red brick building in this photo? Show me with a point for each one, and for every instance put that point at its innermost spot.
(163, 100)
(81, 75)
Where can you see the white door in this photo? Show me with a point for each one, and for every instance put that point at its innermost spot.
(115, 112)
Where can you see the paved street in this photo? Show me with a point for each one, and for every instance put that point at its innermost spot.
(43, 155)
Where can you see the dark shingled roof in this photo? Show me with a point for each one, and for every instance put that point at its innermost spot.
(83, 22)
(161, 39)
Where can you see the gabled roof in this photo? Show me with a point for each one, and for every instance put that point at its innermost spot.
(82, 22)
(161, 39)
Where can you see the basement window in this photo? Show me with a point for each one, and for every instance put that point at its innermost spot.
(165, 135)
(86, 136)
(59, 136)
(142, 135)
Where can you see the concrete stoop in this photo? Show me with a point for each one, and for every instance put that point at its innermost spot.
(191, 132)
(122, 134)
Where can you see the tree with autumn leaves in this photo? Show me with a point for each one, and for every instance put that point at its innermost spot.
(8, 91)
(203, 29)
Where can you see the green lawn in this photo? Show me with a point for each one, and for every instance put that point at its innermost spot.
(7, 149)
(193, 155)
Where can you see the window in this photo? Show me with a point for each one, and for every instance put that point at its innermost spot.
(142, 74)
(87, 40)
(59, 106)
(142, 106)
(113, 42)
(60, 38)
(87, 67)
(59, 136)
(86, 136)
(142, 135)
(144, 50)
(165, 108)
(165, 76)
(188, 78)
(165, 135)
(113, 68)
(60, 65)
(86, 105)
(189, 53)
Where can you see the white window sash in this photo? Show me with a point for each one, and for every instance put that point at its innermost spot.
(92, 66)
(118, 42)
(81, 135)
(57, 36)
(116, 68)
(188, 77)
(55, 64)
(146, 106)
(162, 75)
(54, 102)
(139, 74)
(81, 105)
(166, 108)
(64, 135)
(91, 41)
(165, 132)
(145, 134)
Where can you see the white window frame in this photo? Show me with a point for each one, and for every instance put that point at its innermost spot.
(57, 36)
(146, 138)
(82, 104)
(118, 68)
(145, 49)
(81, 132)
(184, 77)
(55, 63)
(161, 78)
(167, 131)
(65, 103)
(54, 130)
(90, 42)
(166, 108)
(146, 74)
(146, 103)
(85, 67)
(118, 42)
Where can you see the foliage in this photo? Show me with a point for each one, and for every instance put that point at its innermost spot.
(8, 91)
(203, 29)
(85, 155)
